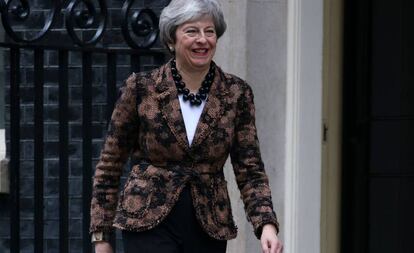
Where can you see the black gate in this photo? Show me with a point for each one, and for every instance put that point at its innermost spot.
(63, 62)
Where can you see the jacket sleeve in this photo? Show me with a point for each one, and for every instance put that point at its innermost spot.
(122, 132)
(248, 166)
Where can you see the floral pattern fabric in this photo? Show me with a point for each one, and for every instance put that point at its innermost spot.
(147, 126)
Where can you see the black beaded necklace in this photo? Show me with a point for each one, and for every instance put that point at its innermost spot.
(195, 99)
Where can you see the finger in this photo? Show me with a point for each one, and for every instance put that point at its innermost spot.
(265, 246)
(279, 248)
(273, 247)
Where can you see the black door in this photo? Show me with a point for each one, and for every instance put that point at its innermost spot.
(378, 158)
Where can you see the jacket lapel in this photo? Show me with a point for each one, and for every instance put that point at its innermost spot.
(170, 105)
(171, 111)
(213, 110)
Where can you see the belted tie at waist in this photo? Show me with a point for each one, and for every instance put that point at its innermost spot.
(181, 168)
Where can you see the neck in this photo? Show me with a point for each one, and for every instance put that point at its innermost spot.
(192, 77)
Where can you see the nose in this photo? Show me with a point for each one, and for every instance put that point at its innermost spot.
(202, 34)
(201, 39)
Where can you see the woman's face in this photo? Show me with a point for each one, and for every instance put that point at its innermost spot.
(195, 44)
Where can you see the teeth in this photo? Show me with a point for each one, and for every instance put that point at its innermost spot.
(200, 50)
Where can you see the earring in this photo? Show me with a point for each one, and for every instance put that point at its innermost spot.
(171, 49)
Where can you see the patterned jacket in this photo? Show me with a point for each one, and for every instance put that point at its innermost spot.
(148, 127)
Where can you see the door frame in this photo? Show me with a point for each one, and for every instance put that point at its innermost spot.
(303, 126)
(332, 126)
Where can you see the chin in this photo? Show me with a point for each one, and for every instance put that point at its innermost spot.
(201, 63)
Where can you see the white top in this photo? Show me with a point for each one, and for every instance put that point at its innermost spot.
(191, 116)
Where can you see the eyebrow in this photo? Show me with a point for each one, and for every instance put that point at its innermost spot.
(195, 27)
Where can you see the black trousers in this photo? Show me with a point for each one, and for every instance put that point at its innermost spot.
(180, 232)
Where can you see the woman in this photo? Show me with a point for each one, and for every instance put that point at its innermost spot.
(178, 124)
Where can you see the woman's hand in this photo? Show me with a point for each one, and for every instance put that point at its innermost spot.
(103, 247)
(269, 240)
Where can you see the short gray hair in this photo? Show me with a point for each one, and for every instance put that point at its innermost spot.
(180, 11)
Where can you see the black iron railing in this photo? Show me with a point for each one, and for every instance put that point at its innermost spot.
(84, 15)
(139, 30)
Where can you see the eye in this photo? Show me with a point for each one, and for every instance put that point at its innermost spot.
(210, 33)
(191, 32)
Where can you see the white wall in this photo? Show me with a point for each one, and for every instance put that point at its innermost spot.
(304, 125)
(276, 45)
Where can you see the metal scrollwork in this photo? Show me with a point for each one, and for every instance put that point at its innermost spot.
(20, 12)
(144, 26)
(86, 18)
(85, 21)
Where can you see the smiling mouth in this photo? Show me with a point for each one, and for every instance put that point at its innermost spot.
(200, 51)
